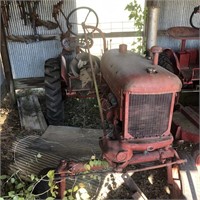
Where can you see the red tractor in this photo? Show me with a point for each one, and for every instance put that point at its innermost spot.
(136, 97)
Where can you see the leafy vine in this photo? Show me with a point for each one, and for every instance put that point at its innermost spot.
(139, 17)
(17, 189)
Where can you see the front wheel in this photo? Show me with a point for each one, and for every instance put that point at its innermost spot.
(53, 92)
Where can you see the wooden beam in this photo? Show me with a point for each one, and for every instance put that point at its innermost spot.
(36, 82)
(3, 90)
(7, 65)
(95, 35)
(31, 116)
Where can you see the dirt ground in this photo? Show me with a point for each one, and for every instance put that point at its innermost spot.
(152, 183)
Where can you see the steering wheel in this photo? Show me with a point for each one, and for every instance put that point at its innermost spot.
(88, 16)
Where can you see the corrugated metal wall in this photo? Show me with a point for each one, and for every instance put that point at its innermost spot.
(176, 13)
(27, 60)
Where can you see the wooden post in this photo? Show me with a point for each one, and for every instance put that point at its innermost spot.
(151, 25)
(154, 3)
(7, 65)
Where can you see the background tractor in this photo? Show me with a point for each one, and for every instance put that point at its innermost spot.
(185, 62)
(185, 124)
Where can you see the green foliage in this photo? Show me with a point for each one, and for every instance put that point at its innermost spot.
(16, 189)
(139, 17)
(79, 191)
(52, 183)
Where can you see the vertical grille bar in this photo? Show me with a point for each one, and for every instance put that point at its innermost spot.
(148, 114)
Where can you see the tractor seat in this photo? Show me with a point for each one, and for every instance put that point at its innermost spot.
(183, 32)
(82, 61)
(80, 71)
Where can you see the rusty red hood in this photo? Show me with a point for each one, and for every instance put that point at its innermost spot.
(128, 71)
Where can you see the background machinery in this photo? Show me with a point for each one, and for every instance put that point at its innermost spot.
(185, 62)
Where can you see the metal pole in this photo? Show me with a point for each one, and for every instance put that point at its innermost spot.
(152, 27)
(94, 80)
(7, 65)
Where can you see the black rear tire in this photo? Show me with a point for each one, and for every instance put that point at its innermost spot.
(165, 62)
(53, 92)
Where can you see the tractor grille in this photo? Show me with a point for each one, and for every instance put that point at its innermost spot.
(148, 115)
